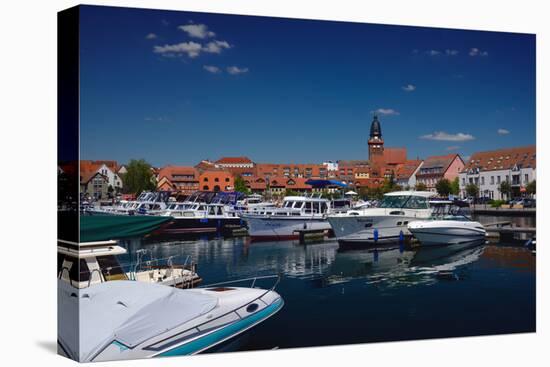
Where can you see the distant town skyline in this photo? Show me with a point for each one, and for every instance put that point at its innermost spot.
(178, 87)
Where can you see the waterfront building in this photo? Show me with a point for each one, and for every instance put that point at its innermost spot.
(180, 179)
(108, 169)
(405, 175)
(439, 167)
(216, 180)
(489, 169)
(95, 185)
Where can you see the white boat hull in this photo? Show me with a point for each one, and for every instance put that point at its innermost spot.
(446, 232)
(359, 228)
(280, 228)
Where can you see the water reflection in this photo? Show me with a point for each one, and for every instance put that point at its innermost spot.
(322, 264)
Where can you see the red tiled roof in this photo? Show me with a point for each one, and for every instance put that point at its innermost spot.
(88, 165)
(233, 160)
(394, 155)
(439, 161)
(170, 171)
(406, 170)
(503, 159)
(87, 176)
(298, 183)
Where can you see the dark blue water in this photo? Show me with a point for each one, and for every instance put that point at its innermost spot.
(356, 296)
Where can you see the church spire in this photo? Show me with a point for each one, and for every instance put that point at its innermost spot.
(375, 129)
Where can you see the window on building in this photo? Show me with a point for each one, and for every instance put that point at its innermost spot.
(227, 179)
(205, 179)
(216, 179)
(483, 180)
(526, 178)
(498, 180)
(463, 181)
(492, 180)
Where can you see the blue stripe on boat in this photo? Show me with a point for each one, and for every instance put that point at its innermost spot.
(223, 334)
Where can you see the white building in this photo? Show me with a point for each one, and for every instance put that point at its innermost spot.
(488, 170)
(106, 168)
(405, 175)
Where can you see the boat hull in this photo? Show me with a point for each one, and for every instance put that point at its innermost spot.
(201, 225)
(446, 232)
(361, 229)
(265, 228)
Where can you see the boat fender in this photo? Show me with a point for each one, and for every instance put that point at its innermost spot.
(375, 235)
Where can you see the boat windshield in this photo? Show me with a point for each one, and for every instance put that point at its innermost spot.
(404, 201)
(393, 201)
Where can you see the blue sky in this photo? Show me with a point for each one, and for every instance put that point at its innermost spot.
(178, 87)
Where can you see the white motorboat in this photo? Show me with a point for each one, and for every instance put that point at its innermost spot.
(297, 212)
(121, 320)
(252, 203)
(383, 223)
(90, 263)
(147, 203)
(447, 226)
(199, 217)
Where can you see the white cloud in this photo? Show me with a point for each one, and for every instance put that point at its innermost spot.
(234, 70)
(197, 30)
(408, 88)
(212, 69)
(192, 49)
(503, 132)
(216, 47)
(387, 111)
(433, 52)
(450, 52)
(151, 36)
(477, 52)
(443, 136)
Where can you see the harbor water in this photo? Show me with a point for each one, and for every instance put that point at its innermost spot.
(334, 296)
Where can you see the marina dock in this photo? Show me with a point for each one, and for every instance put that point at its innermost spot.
(504, 231)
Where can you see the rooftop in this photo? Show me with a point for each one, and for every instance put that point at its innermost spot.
(522, 157)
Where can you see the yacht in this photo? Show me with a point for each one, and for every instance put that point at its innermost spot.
(121, 320)
(387, 222)
(447, 225)
(253, 203)
(147, 203)
(199, 217)
(90, 263)
(297, 212)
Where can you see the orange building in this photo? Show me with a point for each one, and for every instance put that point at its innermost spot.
(216, 180)
(182, 179)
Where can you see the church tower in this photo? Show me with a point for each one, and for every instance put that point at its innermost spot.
(376, 144)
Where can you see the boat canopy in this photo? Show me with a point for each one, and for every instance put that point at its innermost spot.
(128, 312)
(426, 194)
(325, 183)
(110, 227)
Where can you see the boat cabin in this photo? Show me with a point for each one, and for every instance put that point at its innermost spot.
(85, 264)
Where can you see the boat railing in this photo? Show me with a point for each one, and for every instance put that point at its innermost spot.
(253, 281)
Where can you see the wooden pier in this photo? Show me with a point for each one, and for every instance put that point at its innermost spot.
(505, 231)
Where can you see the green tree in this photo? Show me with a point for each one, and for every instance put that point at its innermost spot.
(455, 187)
(443, 187)
(289, 192)
(505, 188)
(420, 187)
(240, 185)
(389, 185)
(472, 190)
(532, 187)
(139, 177)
